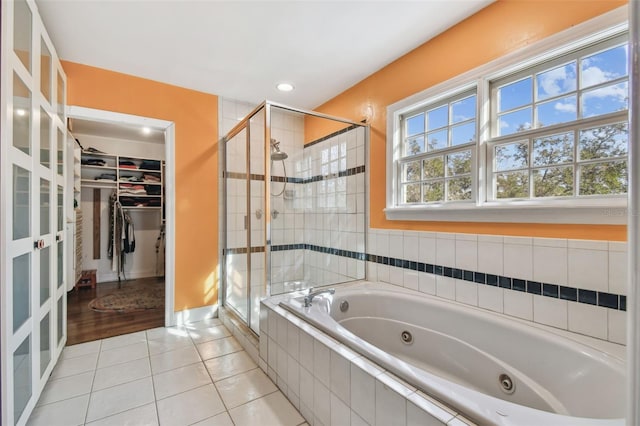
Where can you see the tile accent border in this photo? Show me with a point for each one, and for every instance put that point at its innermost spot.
(331, 135)
(572, 294)
(283, 247)
(349, 172)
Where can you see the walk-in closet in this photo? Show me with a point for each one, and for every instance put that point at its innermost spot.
(119, 236)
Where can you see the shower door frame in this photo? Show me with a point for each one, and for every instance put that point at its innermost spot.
(245, 124)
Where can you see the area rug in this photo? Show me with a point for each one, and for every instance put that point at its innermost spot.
(130, 299)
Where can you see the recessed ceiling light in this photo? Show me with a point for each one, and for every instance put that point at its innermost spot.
(146, 130)
(21, 112)
(285, 87)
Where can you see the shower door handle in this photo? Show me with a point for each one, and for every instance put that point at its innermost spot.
(246, 222)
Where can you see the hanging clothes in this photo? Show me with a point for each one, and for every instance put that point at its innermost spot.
(122, 234)
(129, 235)
(160, 252)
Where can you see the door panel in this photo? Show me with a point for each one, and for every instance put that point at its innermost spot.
(45, 343)
(21, 115)
(45, 197)
(45, 138)
(21, 218)
(22, 369)
(45, 274)
(21, 290)
(22, 32)
(45, 71)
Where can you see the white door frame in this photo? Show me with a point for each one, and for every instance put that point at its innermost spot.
(169, 203)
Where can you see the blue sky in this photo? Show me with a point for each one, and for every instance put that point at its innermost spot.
(554, 99)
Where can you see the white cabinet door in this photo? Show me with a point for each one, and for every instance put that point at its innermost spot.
(33, 302)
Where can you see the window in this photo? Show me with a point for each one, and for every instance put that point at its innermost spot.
(546, 129)
(438, 151)
(560, 128)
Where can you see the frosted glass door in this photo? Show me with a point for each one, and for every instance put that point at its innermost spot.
(33, 301)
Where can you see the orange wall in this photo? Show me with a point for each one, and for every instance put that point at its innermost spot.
(195, 115)
(500, 28)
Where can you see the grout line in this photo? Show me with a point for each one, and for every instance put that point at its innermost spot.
(86, 412)
(153, 384)
(226, 409)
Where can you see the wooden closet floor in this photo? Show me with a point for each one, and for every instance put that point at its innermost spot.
(85, 324)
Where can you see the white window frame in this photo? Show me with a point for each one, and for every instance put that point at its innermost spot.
(591, 210)
(444, 152)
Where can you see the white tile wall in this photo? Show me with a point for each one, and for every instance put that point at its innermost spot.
(518, 304)
(589, 265)
(491, 257)
(467, 292)
(550, 264)
(491, 298)
(445, 251)
(333, 215)
(518, 257)
(445, 287)
(588, 319)
(589, 269)
(549, 311)
(466, 254)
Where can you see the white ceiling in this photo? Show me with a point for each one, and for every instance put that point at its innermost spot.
(241, 49)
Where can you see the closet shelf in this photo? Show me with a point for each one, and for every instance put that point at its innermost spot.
(141, 207)
(113, 168)
(90, 166)
(96, 154)
(92, 183)
(140, 183)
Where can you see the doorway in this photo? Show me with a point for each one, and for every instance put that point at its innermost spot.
(123, 198)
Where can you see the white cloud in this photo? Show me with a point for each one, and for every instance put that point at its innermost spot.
(557, 81)
(595, 75)
(564, 107)
(504, 124)
(457, 118)
(619, 92)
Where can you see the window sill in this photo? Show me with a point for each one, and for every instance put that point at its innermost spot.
(612, 211)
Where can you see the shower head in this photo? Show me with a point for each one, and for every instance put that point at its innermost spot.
(276, 154)
(279, 156)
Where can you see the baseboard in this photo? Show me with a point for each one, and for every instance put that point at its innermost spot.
(196, 314)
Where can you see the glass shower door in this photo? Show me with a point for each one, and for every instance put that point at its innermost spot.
(257, 218)
(245, 218)
(236, 245)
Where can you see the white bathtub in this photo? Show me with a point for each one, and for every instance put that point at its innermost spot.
(458, 354)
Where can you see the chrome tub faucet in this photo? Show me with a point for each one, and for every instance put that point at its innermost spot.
(309, 297)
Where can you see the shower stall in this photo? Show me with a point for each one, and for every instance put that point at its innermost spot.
(294, 205)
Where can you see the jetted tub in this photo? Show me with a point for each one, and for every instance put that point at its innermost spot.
(492, 368)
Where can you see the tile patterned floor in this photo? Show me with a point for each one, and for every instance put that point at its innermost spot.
(193, 375)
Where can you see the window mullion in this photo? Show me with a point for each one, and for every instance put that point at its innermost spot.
(530, 168)
(576, 162)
